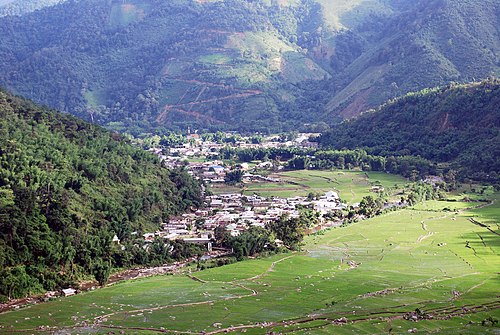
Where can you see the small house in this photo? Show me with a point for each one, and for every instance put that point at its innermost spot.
(68, 292)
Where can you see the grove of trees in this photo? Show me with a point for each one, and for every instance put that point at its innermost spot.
(66, 189)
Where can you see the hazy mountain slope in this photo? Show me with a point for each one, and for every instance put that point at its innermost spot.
(20, 7)
(143, 65)
(66, 187)
(149, 63)
(422, 44)
(456, 124)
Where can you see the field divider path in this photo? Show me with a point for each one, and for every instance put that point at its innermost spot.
(474, 221)
(423, 223)
(103, 318)
(330, 318)
(420, 239)
(197, 279)
(386, 314)
(271, 268)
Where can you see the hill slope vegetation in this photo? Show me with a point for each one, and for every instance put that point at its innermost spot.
(143, 65)
(20, 7)
(420, 44)
(66, 188)
(457, 124)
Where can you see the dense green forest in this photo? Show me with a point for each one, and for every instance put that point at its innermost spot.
(150, 65)
(19, 7)
(456, 126)
(143, 65)
(66, 188)
(420, 44)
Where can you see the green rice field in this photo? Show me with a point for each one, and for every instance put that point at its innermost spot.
(351, 185)
(424, 264)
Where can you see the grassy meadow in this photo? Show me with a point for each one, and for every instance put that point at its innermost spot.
(351, 185)
(362, 279)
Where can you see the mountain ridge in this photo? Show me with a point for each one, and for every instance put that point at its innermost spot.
(147, 65)
(457, 125)
(21, 7)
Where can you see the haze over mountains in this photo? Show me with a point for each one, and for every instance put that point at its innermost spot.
(142, 65)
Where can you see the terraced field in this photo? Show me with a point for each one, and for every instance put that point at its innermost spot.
(424, 264)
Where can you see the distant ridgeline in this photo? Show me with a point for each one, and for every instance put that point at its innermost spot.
(260, 65)
(66, 188)
(457, 126)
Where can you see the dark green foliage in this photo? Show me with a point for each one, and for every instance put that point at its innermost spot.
(457, 124)
(370, 206)
(423, 43)
(289, 230)
(299, 159)
(419, 192)
(257, 240)
(101, 272)
(144, 65)
(299, 163)
(67, 187)
(249, 243)
(16, 283)
(248, 155)
(126, 64)
(233, 177)
(182, 250)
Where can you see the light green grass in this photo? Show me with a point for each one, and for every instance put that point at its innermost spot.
(296, 67)
(95, 98)
(215, 59)
(224, 189)
(195, 159)
(174, 93)
(437, 205)
(340, 14)
(419, 256)
(351, 185)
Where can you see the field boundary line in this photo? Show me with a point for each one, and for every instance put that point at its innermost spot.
(273, 264)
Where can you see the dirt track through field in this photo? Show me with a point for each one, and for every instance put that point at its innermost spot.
(339, 318)
(103, 318)
(180, 107)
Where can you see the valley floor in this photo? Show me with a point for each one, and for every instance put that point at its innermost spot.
(417, 270)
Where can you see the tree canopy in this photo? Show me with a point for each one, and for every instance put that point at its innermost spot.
(456, 125)
(67, 187)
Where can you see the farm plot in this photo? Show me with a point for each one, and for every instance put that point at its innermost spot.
(351, 185)
(412, 270)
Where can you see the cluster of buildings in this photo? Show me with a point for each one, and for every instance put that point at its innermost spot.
(195, 146)
(236, 213)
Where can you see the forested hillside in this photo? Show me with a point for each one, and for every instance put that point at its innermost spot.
(144, 65)
(20, 7)
(66, 188)
(457, 125)
(420, 44)
(148, 64)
